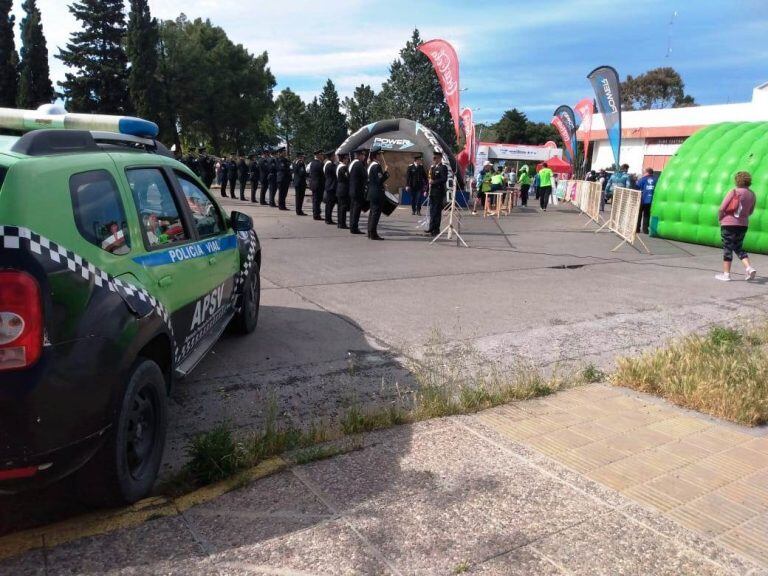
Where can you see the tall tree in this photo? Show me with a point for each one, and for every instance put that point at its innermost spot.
(142, 50)
(215, 93)
(307, 138)
(413, 91)
(9, 75)
(360, 107)
(35, 87)
(331, 125)
(289, 116)
(512, 128)
(99, 82)
(657, 88)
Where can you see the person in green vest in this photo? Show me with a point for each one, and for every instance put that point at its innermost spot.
(485, 185)
(525, 184)
(545, 186)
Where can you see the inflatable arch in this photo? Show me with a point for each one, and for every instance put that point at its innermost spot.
(403, 138)
(696, 180)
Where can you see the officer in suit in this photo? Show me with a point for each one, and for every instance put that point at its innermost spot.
(329, 173)
(272, 178)
(438, 180)
(300, 182)
(358, 178)
(317, 183)
(377, 175)
(415, 182)
(242, 174)
(232, 174)
(224, 175)
(264, 176)
(342, 190)
(283, 177)
(255, 173)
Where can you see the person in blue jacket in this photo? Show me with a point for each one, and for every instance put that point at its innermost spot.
(620, 179)
(646, 184)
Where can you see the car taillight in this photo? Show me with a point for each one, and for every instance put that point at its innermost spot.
(21, 320)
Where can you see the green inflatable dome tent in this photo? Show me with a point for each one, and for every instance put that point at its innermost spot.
(695, 181)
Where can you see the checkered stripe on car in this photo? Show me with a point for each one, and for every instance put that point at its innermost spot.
(246, 268)
(17, 238)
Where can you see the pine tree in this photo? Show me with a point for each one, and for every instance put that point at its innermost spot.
(9, 75)
(35, 87)
(360, 107)
(99, 82)
(142, 50)
(331, 124)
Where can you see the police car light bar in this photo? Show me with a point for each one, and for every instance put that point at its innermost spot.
(55, 117)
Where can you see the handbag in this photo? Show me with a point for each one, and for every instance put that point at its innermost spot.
(734, 205)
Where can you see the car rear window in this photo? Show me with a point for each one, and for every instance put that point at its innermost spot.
(98, 211)
(3, 172)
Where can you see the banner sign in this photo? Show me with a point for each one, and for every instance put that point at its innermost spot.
(584, 110)
(446, 64)
(490, 152)
(468, 127)
(565, 122)
(605, 81)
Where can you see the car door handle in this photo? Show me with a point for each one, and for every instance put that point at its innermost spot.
(165, 281)
(212, 260)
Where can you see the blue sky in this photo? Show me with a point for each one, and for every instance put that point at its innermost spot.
(532, 55)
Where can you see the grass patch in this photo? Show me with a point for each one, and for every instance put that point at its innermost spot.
(459, 381)
(723, 373)
(591, 374)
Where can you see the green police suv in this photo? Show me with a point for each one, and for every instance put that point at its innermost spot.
(118, 272)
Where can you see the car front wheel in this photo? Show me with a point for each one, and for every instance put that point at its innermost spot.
(248, 317)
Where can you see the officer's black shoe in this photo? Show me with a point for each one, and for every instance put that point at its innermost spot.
(376, 237)
(355, 231)
(330, 223)
(283, 208)
(343, 227)
(301, 213)
(317, 218)
(272, 205)
(262, 203)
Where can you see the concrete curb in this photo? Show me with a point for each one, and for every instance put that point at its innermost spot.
(104, 522)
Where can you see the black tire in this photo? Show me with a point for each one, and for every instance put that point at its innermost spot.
(247, 319)
(125, 468)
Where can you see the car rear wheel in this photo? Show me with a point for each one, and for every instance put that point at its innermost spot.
(248, 317)
(125, 468)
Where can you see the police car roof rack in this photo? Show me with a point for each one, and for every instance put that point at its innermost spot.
(50, 142)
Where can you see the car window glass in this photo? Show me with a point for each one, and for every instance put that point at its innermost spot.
(157, 207)
(98, 211)
(206, 216)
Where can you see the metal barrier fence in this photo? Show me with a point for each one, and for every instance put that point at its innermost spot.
(625, 211)
(585, 196)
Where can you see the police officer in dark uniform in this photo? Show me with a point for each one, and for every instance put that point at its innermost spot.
(329, 172)
(317, 184)
(254, 176)
(438, 179)
(283, 177)
(272, 178)
(377, 175)
(242, 174)
(415, 182)
(207, 168)
(358, 178)
(232, 174)
(264, 176)
(300, 182)
(224, 176)
(342, 190)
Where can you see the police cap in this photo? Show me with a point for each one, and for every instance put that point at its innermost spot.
(319, 152)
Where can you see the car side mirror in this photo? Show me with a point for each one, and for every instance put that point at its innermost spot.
(241, 222)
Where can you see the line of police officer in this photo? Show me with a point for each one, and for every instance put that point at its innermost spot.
(351, 185)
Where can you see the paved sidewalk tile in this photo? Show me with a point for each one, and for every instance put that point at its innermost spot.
(709, 477)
